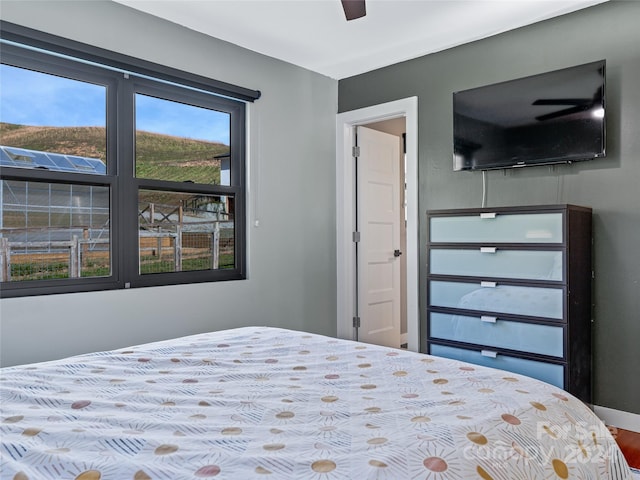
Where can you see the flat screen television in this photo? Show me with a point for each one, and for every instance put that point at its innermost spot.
(553, 117)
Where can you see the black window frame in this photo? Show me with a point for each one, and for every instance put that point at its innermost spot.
(123, 77)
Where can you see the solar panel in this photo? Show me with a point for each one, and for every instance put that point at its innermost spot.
(62, 163)
(97, 165)
(24, 158)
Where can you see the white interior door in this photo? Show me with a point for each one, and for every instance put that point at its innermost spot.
(346, 272)
(378, 219)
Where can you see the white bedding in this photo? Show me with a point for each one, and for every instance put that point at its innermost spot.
(266, 403)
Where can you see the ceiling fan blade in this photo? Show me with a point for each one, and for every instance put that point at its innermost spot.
(564, 112)
(354, 8)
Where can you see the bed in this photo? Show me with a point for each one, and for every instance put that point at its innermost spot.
(268, 403)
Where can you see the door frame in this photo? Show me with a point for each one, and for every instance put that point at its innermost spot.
(346, 212)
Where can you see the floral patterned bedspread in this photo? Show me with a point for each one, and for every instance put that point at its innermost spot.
(268, 403)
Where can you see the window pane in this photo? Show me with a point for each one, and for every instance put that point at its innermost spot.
(51, 230)
(51, 122)
(182, 232)
(180, 142)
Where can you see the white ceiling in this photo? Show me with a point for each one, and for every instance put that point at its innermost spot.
(315, 35)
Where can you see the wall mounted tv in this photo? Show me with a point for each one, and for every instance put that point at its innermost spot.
(553, 117)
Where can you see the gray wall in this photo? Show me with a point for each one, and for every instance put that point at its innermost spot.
(292, 195)
(610, 186)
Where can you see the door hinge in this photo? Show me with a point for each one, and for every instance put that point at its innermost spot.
(356, 322)
(355, 151)
(356, 237)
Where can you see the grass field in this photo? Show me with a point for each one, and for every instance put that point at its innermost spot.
(160, 157)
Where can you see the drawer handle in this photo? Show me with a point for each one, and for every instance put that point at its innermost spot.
(488, 353)
(488, 215)
(488, 284)
(488, 249)
(487, 319)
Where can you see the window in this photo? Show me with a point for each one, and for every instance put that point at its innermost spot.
(114, 177)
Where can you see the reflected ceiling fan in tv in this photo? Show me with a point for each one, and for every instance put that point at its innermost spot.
(553, 117)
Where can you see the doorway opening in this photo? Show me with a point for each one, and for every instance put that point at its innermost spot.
(393, 118)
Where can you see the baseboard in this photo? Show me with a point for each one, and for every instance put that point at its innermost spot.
(618, 418)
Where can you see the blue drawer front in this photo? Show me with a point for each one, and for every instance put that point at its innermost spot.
(546, 372)
(490, 262)
(519, 336)
(501, 228)
(534, 301)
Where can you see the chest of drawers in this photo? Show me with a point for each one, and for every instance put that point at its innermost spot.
(510, 288)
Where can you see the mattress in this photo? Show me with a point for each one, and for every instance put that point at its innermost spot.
(268, 403)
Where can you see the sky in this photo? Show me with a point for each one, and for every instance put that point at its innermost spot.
(37, 99)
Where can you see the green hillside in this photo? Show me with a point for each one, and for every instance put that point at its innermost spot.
(81, 141)
(157, 156)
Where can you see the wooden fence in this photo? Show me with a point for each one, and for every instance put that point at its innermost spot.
(76, 247)
(161, 227)
(157, 246)
(153, 242)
